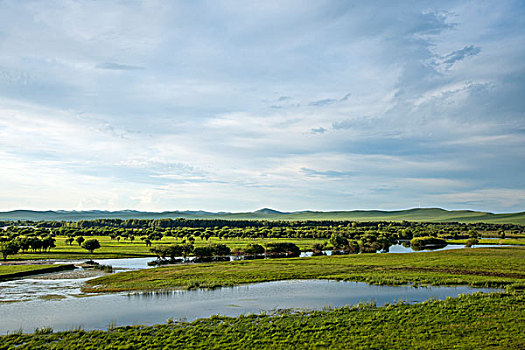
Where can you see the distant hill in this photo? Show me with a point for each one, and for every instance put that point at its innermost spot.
(418, 214)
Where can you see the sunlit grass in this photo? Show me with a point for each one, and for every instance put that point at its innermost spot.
(477, 321)
(137, 248)
(477, 267)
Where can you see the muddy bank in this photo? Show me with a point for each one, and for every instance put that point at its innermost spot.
(19, 274)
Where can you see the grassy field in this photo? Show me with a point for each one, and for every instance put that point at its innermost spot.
(479, 321)
(12, 271)
(491, 241)
(476, 267)
(127, 249)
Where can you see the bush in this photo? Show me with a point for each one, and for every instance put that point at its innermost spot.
(470, 242)
(288, 249)
(427, 242)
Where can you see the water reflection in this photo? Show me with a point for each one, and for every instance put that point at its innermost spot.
(98, 312)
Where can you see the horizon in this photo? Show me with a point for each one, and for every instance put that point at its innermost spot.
(257, 210)
(229, 106)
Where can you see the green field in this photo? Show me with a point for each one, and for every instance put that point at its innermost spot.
(506, 241)
(479, 321)
(128, 249)
(477, 267)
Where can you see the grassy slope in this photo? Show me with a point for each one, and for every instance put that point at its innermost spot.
(423, 214)
(478, 321)
(480, 266)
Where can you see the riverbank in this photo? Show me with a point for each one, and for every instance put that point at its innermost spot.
(478, 321)
(488, 267)
(8, 272)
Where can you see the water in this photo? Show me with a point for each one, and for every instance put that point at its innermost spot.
(398, 248)
(127, 263)
(98, 312)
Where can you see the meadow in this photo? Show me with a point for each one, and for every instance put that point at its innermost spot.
(489, 267)
(474, 321)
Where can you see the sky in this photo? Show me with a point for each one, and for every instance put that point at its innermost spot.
(239, 105)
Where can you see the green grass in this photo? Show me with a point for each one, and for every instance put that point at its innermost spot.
(509, 241)
(476, 267)
(479, 321)
(127, 249)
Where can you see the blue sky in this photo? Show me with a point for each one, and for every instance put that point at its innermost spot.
(236, 105)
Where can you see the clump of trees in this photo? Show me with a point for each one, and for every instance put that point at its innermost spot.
(282, 249)
(9, 248)
(172, 252)
(419, 243)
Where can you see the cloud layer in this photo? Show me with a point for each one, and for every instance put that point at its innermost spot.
(293, 105)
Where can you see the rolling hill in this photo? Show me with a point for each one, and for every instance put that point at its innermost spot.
(418, 214)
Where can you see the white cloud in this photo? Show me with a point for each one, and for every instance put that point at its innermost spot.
(222, 106)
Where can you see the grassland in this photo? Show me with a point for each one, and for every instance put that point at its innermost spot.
(499, 267)
(507, 241)
(479, 321)
(135, 249)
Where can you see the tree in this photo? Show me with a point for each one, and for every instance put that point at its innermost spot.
(187, 249)
(91, 245)
(203, 252)
(254, 249)
(288, 249)
(220, 249)
(338, 241)
(317, 248)
(9, 248)
(69, 240)
(470, 242)
(35, 243)
(80, 240)
(48, 243)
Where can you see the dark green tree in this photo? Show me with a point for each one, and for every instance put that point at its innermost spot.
(9, 248)
(91, 245)
(80, 240)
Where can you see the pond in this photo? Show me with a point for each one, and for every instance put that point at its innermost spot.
(100, 311)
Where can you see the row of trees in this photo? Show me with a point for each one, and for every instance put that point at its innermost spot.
(39, 245)
(319, 232)
(180, 252)
(203, 224)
